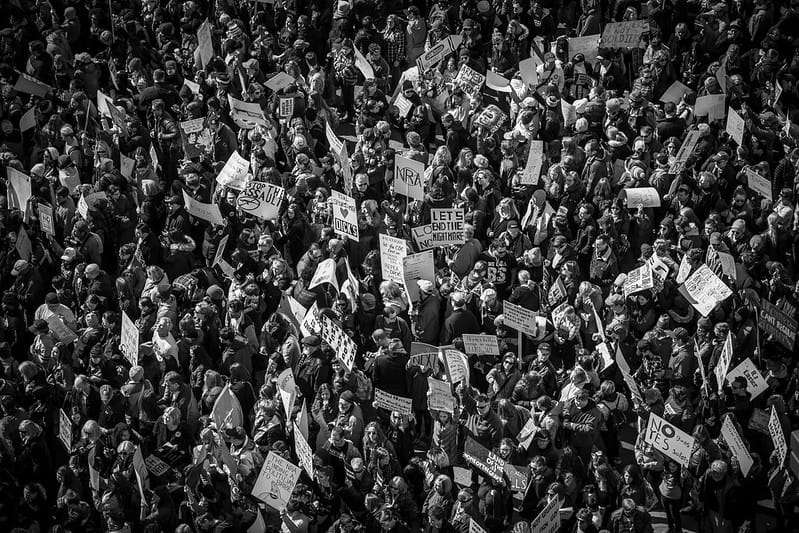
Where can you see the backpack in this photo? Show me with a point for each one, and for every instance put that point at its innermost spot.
(364, 385)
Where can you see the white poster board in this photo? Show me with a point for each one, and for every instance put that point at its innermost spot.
(392, 250)
(234, 173)
(735, 126)
(423, 236)
(208, 212)
(129, 340)
(337, 339)
(345, 215)
(247, 115)
(520, 318)
(392, 402)
(408, 176)
(723, 364)
(439, 396)
(668, 439)
(756, 384)
(276, 481)
(448, 226)
(704, 289)
(737, 446)
(535, 162)
(642, 197)
(480, 344)
(777, 435)
(261, 199)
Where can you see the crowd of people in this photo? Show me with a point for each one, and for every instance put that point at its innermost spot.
(623, 176)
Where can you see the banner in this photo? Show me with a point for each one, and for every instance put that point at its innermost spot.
(208, 212)
(672, 441)
(535, 162)
(337, 339)
(548, 520)
(736, 444)
(345, 215)
(392, 402)
(439, 51)
(484, 459)
(247, 114)
(457, 366)
(777, 323)
(392, 250)
(520, 318)
(777, 435)
(423, 236)
(65, 429)
(261, 199)
(624, 34)
(227, 411)
(234, 173)
(448, 226)
(480, 344)
(416, 267)
(756, 383)
(759, 184)
(303, 449)
(704, 289)
(129, 340)
(439, 396)
(735, 126)
(408, 176)
(642, 197)
(46, 218)
(638, 280)
(276, 481)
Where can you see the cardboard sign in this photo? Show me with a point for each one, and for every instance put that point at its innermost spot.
(276, 481)
(46, 219)
(686, 149)
(676, 92)
(345, 215)
(129, 340)
(548, 520)
(439, 396)
(777, 435)
(624, 34)
(668, 439)
(439, 51)
(588, 45)
(704, 289)
(423, 236)
(20, 189)
(234, 173)
(325, 273)
(392, 250)
(462, 476)
(303, 449)
(484, 459)
(777, 323)
(725, 359)
(208, 212)
(737, 446)
(759, 184)
(457, 366)
(205, 43)
(392, 402)
(286, 107)
(756, 383)
(736, 126)
(758, 421)
(279, 81)
(727, 265)
(403, 105)
(480, 344)
(638, 280)
(520, 318)
(261, 199)
(641, 197)
(491, 117)
(30, 85)
(65, 429)
(246, 115)
(556, 293)
(28, 120)
(535, 162)
(336, 338)
(710, 106)
(469, 79)
(425, 359)
(416, 267)
(408, 177)
(448, 226)
(288, 390)
(474, 527)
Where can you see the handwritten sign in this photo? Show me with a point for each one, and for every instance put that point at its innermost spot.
(156, 466)
(642, 197)
(246, 115)
(548, 520)
(676, 92)
(759, 184)
(304, 452)
(276, 481)
(624, 34)
(668, 439)
(520, 318)
(392, 250)
(129, 340)
(756, 383)
(30, 85)
(408, 177)
(338, 339)
(279, 81)
(535, 162)
(638, 280)
(469, 79)
(686, 149)
(711, 105)
(392, 402)
(234, 173)
(480, 344)
(46, 219)
(448, 226)
(286, 107)
(737, 446)
(735, 126)
(261, 199)
(345, 215)
(439, 396)
(725, 359)
(416, 267)
(704, 290)
(457, 366)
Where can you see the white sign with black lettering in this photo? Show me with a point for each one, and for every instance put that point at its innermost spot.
(520, 318)
(448, 226)
(345, 215)
(261, 199)
(392, 250)
(755, 382)
(671, 441)
(777, 435)
(337, 339)
(480, 344)
(392, 402)
(737, 446)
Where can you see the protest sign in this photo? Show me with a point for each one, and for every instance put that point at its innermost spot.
(227, 411)
(65, 429)
(20, 189)
(30, 85)
(345, 215)
(588, 45)
(474, 527)
(777, 435)
(469, 79)
(517, 477)
(668, 439)
(279, 81)
(519, 318)
(557, 292)
(777, 323)
(234, 173)
(416, 267)
(497, 83)
(457, 366)
(439, 396)
(286, 107)
(129, 340)
(126, 165)
(303, 449)
(310, 324)
(704, 289)
(710, 106)
(759, 184)
(288, 390)
(548, 520)
(755, 382)
(736, 444)
(527, 69)
(686, 149)
(624, 34)
(727, 264)
(535, 162)
(484, 459)
(46, 218)
(363, 65)
(448, 226)
(325, 273)
(491, 118)
(408, 176)
(197, 139)
(569, 113)
(247, 114)
(24, 246)
(193, 86)
(156, 466)
(208, 212)
(423, 236)
(676, 92)
(758, 421)
(60, 330)
(480, 344)
(624, 368)
(276, 481)
(392, 402)
(437, 52)
(462, 476)
(205, 43)
(337, 339)
(426, 359)
(140, 468)
(261, 199)
(641, 197)
(28, 120)
(403, 105)
(735, 126)
(638, 280)
(725, 358)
